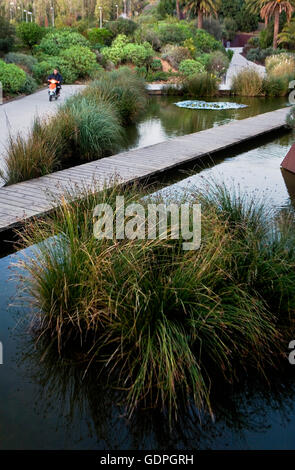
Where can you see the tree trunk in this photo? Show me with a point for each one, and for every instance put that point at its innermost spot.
(276, 28)
(200, 19)
(177, 9)
(266, 22)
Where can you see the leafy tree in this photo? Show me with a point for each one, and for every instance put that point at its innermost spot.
(30, 33)
(6, 35)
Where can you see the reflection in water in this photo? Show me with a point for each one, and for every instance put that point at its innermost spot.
(162, 119)
(257, 172)
(63, 387)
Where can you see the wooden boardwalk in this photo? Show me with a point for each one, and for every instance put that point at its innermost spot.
(20, 202)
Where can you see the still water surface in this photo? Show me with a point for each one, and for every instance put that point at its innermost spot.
(47, 404)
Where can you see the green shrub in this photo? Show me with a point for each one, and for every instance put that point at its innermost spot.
(156, 65)
(101, 36)
(24, 61)
(146, 34)
(229, 28)
(175, 54)
(7, 35)
(248, 82)
(57, 41)
(121, 50)
(213, 27)
(217, 63)
(206, 43)
(201, 84)
(266, 38)
(79, 58)
(260, 55)
(275, 86)
(12, 77)
(158, 76)
(115, 52)
(174, 33)
(30, 33)
(254, 41)
(30, 85)
(190, 67)
(138, 54)
(121, 26)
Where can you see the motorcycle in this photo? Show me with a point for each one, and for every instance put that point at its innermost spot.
(52, 89)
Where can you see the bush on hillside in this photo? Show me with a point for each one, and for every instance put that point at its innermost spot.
(206, 43)
(121, 26)
(30, 33)
(100, 36)
(55, 42)
(213, 27)
(24, 61)
(217, 63)
(79, 58)
(12, 77)
(190, 67)
(173, 33)
(30, 85)
(175, 54)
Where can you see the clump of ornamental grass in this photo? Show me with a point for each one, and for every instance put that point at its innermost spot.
(201, 84)
(158, 319)
(31, 157)
(97, 128)
(124, 88)
(247, 82)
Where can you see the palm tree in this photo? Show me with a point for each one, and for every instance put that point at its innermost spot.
(201, 8)
(272, 9)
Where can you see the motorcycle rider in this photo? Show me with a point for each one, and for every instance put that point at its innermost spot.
(56, 76)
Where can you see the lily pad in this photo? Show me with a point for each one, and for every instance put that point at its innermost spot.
(210, 105)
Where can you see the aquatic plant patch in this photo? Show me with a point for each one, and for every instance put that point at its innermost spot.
(197, 104)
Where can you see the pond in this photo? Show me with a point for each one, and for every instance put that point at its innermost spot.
(45, 404)
(163, 120)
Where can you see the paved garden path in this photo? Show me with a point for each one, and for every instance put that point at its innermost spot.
(238, 63)
(18, 115)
